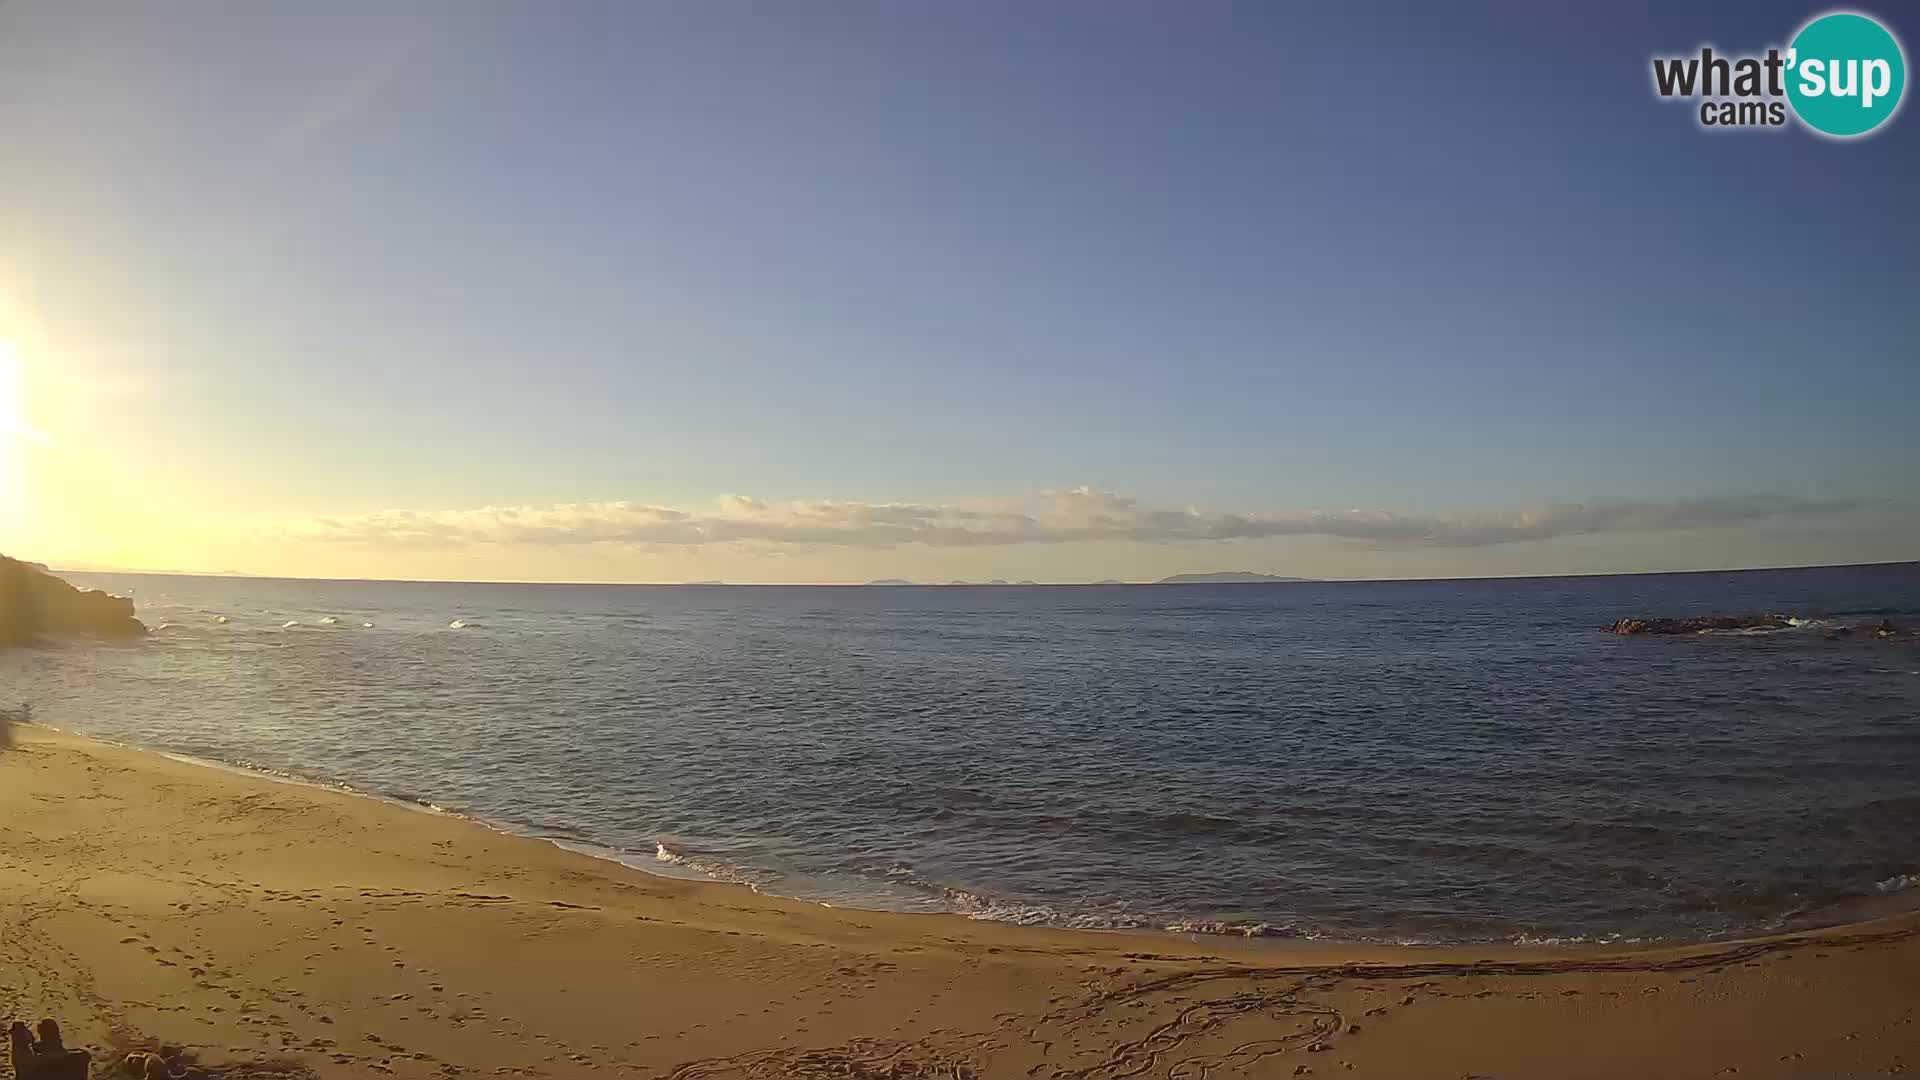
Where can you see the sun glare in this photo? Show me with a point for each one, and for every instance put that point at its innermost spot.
(15, 432)
(9, 386)
(9, 421)
(13, 397)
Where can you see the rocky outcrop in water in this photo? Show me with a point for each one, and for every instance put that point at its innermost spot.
(1700, 624)
(35, 604)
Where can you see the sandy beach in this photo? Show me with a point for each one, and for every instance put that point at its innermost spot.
(145, 899)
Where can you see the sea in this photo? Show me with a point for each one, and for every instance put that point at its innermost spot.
(1413, 761)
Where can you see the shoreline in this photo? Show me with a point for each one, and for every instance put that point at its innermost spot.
(143, 897)
(1845, 911)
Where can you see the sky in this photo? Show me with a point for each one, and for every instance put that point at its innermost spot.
(832, 291)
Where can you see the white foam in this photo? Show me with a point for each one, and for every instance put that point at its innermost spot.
(1898, 883)
(1578, 939)
(1252, 930)
(991, 909)
(712, 869)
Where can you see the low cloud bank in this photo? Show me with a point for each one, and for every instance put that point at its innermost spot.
(1058, 517)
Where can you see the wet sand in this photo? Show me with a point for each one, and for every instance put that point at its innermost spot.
(144, 899)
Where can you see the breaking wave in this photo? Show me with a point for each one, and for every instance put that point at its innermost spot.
(1897, 883)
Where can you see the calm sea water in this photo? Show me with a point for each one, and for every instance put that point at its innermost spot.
(1410, 761)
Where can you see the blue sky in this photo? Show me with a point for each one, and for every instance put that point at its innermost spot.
(273, 262)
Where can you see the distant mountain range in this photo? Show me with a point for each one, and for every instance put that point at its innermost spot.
(995, 581)
(1225, 577)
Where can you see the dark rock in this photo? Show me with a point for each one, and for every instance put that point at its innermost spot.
(35, 604)
(1698, 624)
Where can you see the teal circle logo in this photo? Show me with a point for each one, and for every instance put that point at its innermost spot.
(1845, 74)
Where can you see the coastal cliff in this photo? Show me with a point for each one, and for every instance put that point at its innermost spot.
(35, 604)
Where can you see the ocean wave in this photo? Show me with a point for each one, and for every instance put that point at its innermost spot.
(1235, 929)
(329, 620)
(1793, 625)
(1577, 939)
(716, 869)
(464, 624)
(1897, 883)
(992, 909)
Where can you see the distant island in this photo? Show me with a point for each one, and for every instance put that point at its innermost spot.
(1225, 577)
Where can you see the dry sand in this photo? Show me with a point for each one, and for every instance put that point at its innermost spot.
(143, 898)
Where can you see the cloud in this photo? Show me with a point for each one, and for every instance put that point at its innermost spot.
(1056, 517)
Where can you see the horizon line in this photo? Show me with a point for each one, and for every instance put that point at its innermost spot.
(886, 584)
